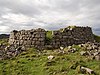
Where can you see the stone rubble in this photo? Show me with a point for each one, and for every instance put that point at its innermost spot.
(50, 57)
(72, 50)
(91, 49)
(87, 70)
(10, 51)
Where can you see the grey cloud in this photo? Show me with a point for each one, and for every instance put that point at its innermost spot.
(77, 12)
(20, 8)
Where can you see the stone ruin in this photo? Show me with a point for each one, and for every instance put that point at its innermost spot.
(63, 37)
(72, 35)
(28, 38)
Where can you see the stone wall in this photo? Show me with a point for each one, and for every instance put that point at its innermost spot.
(63, 37)
(72, 35)
(28, 38)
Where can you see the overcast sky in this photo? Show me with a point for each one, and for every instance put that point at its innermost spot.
(48, 14)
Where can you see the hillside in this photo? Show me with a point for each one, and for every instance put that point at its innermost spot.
(32, 62)
(97, 38)
(64, 62)
(4, 36)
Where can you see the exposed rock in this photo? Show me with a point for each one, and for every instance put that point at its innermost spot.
(10, 51)
(87, 70)
(83, 53)
(72, 50)
(97, 57)
(91, 50)
(89, 53)
(61, 48)
(69, 47)
(96, 53)
(50, 57)
(80, 45)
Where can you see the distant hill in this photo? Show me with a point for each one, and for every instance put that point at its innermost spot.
(4, 36)
(97, 38)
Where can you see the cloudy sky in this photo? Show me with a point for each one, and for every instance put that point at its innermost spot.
(48, 14)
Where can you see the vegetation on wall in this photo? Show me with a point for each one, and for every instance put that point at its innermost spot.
(49, 37)
(71, 27)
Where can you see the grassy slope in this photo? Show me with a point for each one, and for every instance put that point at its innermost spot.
(32, 63)
(97, 38)
(3, 41)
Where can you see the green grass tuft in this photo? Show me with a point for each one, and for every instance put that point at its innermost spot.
(49, 37)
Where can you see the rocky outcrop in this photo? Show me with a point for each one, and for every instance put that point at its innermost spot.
(91, 49)
(7, 52)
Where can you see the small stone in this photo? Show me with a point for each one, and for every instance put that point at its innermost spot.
(83, 53)
(50, 57)
(97, 57)
(87, 70)
(96, 53)
(69, 47)
(62, 48)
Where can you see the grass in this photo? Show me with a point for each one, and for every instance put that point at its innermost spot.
(97, 38)
(71, 27)
(4, 41)
(49, 37)
(33, 63)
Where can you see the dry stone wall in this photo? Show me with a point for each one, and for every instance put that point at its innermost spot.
(28, 38)
(64, 37)
(72, 35)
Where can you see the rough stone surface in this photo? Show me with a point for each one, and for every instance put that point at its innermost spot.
(91, 50)
(70, 36)
(10, 51)
(64, 37)
(28, 38)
